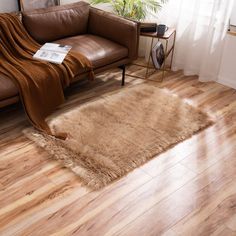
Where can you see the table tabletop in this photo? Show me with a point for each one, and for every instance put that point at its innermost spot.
(167, 34)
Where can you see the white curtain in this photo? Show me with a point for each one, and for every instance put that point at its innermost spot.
(201, 29)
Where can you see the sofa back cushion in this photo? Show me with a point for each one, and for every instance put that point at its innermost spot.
(54, 23)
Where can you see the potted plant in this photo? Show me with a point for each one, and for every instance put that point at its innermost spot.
(133, 9)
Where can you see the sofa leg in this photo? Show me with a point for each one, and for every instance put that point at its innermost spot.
(123, 74)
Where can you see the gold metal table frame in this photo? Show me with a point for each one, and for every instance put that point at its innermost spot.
(171, 32)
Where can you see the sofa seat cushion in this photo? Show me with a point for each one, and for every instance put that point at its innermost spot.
(7, 88)
(98, 50)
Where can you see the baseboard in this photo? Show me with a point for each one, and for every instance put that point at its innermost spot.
(228, 82)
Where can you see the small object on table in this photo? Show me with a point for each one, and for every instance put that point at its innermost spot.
(148, 27)
(161, 29)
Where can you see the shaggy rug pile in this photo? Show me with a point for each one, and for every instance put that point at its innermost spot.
(112, 136)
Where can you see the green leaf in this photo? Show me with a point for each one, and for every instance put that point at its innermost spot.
(134, 9)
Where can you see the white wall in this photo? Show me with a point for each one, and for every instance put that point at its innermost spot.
(228, 66)
(103, 6)
(233, 15)
(8, 5)
(70, 1)
(12, 5)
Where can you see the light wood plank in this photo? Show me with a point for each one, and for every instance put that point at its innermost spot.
(205, 192)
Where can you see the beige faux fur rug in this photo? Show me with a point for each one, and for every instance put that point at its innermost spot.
(112, 136)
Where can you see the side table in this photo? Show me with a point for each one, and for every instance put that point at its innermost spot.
(171, 32)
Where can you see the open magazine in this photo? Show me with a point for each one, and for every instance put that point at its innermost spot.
(158, 55)
(52, 52)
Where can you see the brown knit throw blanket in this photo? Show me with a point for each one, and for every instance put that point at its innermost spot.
(40, 83)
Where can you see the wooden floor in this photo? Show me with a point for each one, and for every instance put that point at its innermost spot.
(188, 190)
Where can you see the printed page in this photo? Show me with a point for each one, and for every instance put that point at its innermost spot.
(56, 47)
(52, 52)
(50, 56)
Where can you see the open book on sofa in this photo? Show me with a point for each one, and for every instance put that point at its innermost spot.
(52, 52)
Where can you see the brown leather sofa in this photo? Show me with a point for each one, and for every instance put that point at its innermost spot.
(105, 39)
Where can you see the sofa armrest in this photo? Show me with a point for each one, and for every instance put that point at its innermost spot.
(122, 31)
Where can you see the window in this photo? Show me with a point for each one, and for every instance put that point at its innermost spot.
(233, 19)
